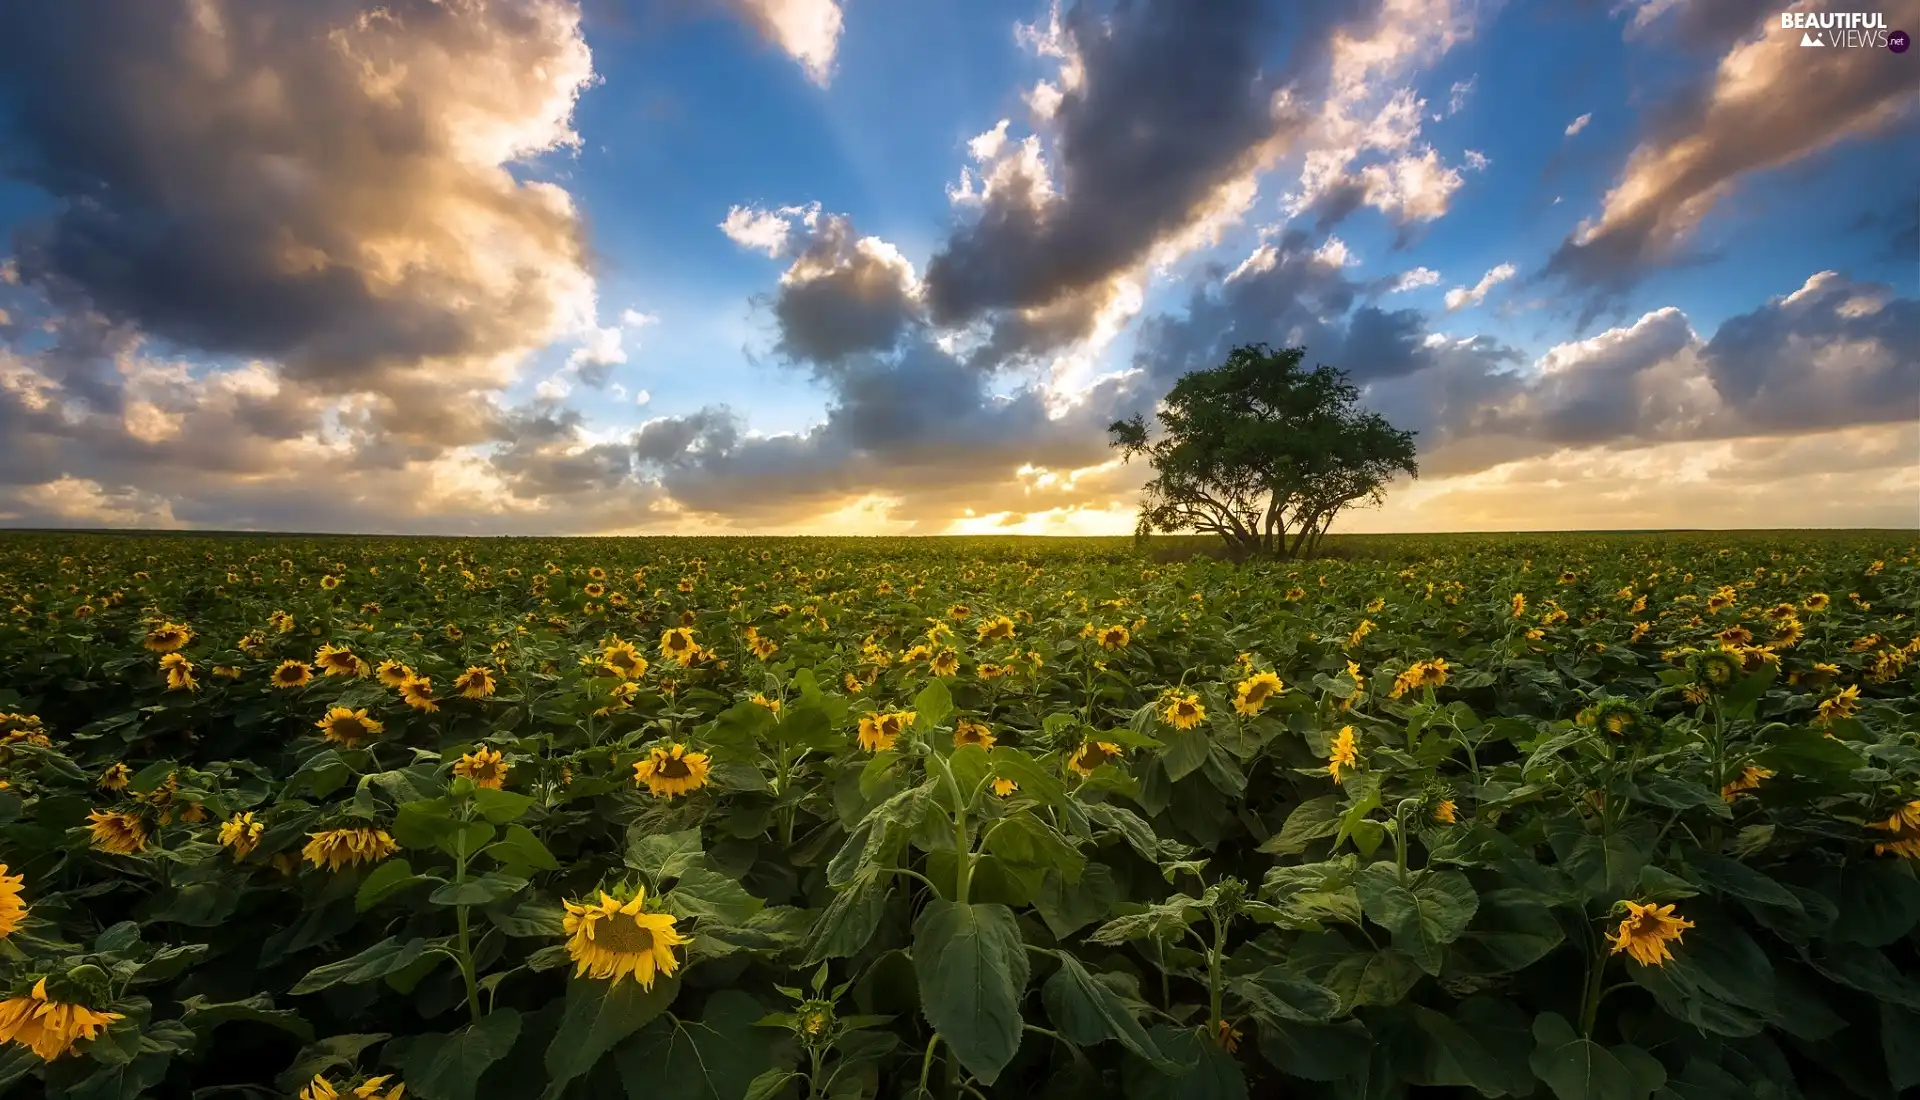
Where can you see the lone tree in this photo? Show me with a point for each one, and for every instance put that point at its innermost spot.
(1263, 453)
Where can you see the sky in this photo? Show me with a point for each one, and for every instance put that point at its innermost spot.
(893, 266)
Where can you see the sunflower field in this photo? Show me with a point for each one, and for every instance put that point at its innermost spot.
(1589, 817)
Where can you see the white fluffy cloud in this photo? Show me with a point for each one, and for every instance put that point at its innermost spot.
(1460, 297)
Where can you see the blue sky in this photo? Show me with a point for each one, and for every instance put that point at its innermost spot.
(450, 247)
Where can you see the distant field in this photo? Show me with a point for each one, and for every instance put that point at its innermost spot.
(1573, 814)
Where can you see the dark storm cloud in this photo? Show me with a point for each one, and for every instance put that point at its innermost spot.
(842, 298)
(279, 180)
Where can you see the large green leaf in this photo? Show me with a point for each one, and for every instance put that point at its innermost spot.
(1509, 933)
(1372, 978)
(383, 958)
(1465, 1056)
(203, 1015)
(1068, 907)
(1424, 914)
(716, 1058)
(848, 922)
(449, 1067)
(972, 969)
(598, 1016)
(1580, 1069)
(664, 856)
(1184, 751)
(1878, 901)
(1211, 1073)
(1311, 820)
(1026, 841)
(1275, 994)
(1087, 1012)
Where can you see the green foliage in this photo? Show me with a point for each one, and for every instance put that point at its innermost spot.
(907, 847)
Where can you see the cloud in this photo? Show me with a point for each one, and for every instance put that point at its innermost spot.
(1414, 279)
(326, 186)
(761, 230)
(1162, 114)
(1767, 103)
(1460, 297)
(844, 295)
(809, 30)
(1579, 124)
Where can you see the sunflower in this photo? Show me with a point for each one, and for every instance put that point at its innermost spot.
(484, 766)
(1519, 604)
(1183, 711)
(319, 1089)
(168, 637)
(281, 622)
(417, 692)
(117, 832)
(338, 660)
(1253, 692)
(475, 683)
(392, 673)
(672, 772)
(1296, 594)
(1817, 602)
(1904, 826)
(677, 645)
(1002, 786)
(1420, 674)
(763, 647)
(878, 732)
(998, 628)
(1092, 754)
(1842, 704)
(1344, 753)
(969, 732)
(595, 590)
(350, 727)
(12, 909)
(337, 848)
(623, 659)
(1359, 633)
(179, 672)
(1747, 780)
(1444, 812)
(292, 674)
(1646, 931)
(944, 663)
(370, 1089)
(48, 1027)
(329, 582)
(240, 834)
(1113, 637)
(116, 778)
(609, 941)
(760, 700)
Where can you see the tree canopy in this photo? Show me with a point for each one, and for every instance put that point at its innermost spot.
(1263, 453)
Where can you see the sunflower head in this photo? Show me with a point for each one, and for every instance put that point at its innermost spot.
(292, 674)
(349, 727)
(484, 766)
(610, 939)
(969, 732)
(1715, 668)
(669, 771)
(168, 637)
(475, 683)
(1092, 754)
(1617, 717)
(1182, 710)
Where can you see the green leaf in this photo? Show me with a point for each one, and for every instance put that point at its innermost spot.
(1372, 978)
(1211, 1073)
(1036, 782)
(1730, 876)
(806, 724)
(1026, 841)
(716, 1058)
(972, 970)
(203, 1015)
(932, 706)
(383, 958)
(383, 882)
(1603, 868)
(1509, 933)
(450, 1066)
(530, 919)
(848, 923)
(1087, 1012)
(520, 850)
(1276, 995)
(1317, 1052)
(1424, 915)
(1311, 820)
(1879, 901)
(484, 890)
(1576, 1068)
(1068, 907)
(770, 1085)
(1900, 1038)
(1465, 1057)
(710, 895)
(325, 1056)
(598, 1015)
(500, 807)
(1678, 794)
(1798, 751)
(1184, 751)
(424, 824)
(663, 856)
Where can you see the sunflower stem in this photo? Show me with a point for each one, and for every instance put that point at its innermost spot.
(460, 924)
